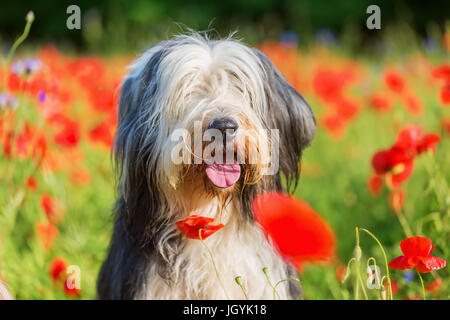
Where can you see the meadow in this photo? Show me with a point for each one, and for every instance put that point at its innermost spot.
(57, 123)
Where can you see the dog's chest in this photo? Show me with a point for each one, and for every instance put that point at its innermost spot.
(237, 251)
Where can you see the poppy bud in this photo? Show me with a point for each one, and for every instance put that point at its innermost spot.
(357, 253)
(265, 270)
(30, 16)
(238, 280)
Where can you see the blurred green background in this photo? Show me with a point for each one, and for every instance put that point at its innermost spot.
(111, 26)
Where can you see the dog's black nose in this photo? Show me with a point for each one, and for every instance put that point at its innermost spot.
(223, 124)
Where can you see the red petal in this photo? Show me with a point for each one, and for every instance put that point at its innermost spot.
(210, 230)
(298, 232)
(416, 246)
(400, 263)
(428, 264)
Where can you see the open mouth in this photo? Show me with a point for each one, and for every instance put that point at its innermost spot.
(223, 175)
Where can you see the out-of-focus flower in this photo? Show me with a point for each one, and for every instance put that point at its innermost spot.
(435, 285)
(297, 231)
(396, 200)
(340, 272)
(417, 253)
(42, 96)
(428, 142)
(444, 94)
(375, 185)
(32, 183)
(289, 39)
(408, 276)
(70, 289)
(47, 233)
(381, 102)
(102, 133)
(191, 226)
(8, 101)
(81, 176)
(69, 135)
(26, 66)
(52, 208)
(412, 104)
(394, 81)
(57, 268)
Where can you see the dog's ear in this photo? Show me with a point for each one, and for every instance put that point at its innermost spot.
(288, 112)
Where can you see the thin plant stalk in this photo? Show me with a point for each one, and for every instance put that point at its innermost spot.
(358, 267)
(290, 279)
(390, 297)
(270, 283)
(214, 264)
(423, 287)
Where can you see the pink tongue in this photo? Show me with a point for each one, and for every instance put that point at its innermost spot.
(223, 175)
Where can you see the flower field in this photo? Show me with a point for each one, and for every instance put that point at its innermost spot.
(377, 172)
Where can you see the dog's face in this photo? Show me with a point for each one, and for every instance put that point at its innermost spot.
(206, 117)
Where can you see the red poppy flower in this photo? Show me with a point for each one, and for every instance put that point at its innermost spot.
(297, 231)
(428, 142)
(52, 208)
(72, 291)
(190, 226)
(417, 251)
(445, 93)
(442, 72)
(375, 184)
(384, 161)
(57, 268)
(396, 200)
(394, 81)
(436, 284)
(46, 233)
(32, 183)
(412, 103)
(381, 102)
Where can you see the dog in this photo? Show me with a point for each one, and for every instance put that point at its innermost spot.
(225, 86)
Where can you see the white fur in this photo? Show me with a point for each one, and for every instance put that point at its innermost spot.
(238, 250)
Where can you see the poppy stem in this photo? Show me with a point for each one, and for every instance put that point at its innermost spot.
(266, 273)
(239, 283)
(390, 297)
(423, 287)
(16, 44)
(214, 264)
(357, 254)
(290, 279)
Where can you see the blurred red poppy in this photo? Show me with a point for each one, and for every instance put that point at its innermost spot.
(297, 231)
(57, 268)
(381, 102)
(52, 208)
(417, 251)
(428, 142)
(32, 183)
(191, 226)
(435, 285)
(396, 200)
(412, 103)
(375, 184)
(445, 93)
(394, 81)
(71, 291)
(47, 233)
